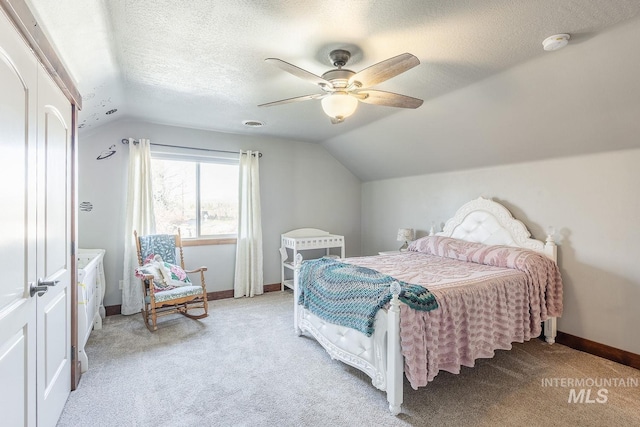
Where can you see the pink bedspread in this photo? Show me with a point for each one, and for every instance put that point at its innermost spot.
(488, 296)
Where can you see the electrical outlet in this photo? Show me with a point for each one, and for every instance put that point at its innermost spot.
(120, 284)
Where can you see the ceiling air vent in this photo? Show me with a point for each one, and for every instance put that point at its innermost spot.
(253, 123)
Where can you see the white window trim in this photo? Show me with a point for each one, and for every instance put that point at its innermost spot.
(198, 155)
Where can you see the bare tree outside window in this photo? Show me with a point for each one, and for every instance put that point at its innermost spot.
(181, 188)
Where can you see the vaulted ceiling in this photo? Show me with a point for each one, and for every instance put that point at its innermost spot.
(200, 63)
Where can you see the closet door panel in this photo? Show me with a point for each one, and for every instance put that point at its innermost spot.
(18, 85)
(54, 249)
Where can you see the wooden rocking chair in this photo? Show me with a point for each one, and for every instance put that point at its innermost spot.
(180, 299)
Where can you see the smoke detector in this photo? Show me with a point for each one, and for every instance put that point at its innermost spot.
(555, 42)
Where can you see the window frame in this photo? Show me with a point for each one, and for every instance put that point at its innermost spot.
(198, 156)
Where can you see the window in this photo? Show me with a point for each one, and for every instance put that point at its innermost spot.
(198, 195)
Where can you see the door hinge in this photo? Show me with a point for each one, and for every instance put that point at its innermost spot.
(73, 352)
(73, 249)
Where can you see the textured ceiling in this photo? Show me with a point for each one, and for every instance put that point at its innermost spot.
(200, 63)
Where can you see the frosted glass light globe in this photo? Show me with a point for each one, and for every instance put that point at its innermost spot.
(339, 105)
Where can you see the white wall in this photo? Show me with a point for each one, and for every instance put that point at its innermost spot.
(582, 99)
(593, 201)
(301, 186)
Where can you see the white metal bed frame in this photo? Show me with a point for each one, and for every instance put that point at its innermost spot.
(379, 356)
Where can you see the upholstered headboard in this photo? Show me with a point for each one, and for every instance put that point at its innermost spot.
(485, 221)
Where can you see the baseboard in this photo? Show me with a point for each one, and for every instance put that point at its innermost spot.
(272, 288)
(611, 353)
(211, 296)
(112, 310)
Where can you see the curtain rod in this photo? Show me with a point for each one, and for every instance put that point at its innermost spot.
(135, 141)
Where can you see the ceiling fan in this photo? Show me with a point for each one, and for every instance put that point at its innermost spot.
(344, 88)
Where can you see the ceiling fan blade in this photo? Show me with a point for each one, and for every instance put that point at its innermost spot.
(297, 98)
(299, 72)
(389, 99)
(384, 70)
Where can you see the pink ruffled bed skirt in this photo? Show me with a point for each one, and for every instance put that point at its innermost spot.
(471, 323)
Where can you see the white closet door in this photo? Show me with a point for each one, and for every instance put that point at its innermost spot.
(35, 165)
(53, 258)
(18, 86)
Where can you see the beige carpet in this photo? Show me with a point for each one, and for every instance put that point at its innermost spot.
(244, 366)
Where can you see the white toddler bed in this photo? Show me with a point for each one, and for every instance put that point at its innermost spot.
(379, 356)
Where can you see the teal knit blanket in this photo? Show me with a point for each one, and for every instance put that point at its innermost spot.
(351, 296)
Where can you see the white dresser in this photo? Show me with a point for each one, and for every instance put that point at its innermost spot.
(305, 239)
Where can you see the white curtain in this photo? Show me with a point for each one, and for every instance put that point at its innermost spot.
(140, 217)
(248, 278)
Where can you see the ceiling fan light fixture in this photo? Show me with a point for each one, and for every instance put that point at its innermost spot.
(344, 88)
(339, 105)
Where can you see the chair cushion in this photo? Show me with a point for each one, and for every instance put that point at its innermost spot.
(180, 292)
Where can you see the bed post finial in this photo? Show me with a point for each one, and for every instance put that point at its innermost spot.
(550, 247)
(297, 262)
(395, 289)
